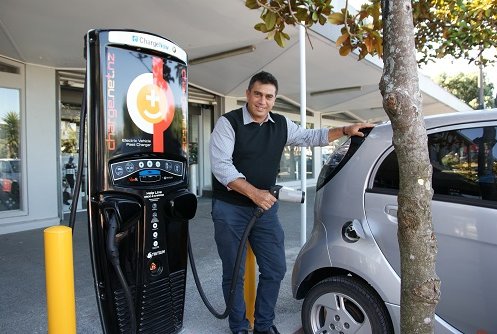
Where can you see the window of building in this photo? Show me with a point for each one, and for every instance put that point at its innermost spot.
(11, 179)
(290, 161)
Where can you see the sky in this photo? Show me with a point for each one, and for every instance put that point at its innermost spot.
(9, 98)
(454, 66)
(9, 101)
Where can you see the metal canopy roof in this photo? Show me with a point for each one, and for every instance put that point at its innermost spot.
(50, 33)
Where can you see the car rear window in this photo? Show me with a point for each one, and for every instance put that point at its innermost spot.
(339, 158)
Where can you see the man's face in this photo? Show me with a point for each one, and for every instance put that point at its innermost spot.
(260, 100)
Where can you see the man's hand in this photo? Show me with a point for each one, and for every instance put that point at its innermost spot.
(261, 198)
(348, 130)
(354, 129)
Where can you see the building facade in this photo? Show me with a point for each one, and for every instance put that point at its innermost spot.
(40, 123)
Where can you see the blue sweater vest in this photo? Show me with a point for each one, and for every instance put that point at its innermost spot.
(257, 154)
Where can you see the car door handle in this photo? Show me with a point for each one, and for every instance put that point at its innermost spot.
(391, 212)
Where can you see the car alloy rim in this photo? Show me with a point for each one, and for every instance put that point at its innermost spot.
(338, 313)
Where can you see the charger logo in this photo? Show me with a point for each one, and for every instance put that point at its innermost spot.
(155, 44)
(150, 103)
(147, 103)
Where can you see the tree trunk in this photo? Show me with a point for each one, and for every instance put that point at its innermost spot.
(420, 285)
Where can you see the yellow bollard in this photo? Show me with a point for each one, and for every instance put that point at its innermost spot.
(249, 285)
(59, 275)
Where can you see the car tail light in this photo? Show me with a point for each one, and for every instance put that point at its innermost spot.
(6, 185)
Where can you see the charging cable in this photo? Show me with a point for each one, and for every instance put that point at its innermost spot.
(112, 248)
(236, 270)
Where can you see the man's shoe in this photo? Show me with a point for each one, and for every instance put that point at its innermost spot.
(271, 330)
(243, 331)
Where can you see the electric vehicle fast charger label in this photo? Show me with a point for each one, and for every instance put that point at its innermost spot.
(151, 91)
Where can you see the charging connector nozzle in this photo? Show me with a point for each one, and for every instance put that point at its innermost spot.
(286, 194)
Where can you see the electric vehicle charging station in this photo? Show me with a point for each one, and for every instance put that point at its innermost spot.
(136, 103)
(136, 97)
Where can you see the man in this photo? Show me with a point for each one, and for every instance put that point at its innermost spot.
(70, 171)
(246, 147)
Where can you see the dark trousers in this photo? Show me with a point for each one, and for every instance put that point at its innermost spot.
(267, 242)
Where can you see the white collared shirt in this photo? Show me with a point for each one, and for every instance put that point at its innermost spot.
(223, 141)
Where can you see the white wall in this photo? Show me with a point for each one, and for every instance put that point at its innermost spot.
(41, 208)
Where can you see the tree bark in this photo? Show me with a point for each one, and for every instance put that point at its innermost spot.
(399, 85)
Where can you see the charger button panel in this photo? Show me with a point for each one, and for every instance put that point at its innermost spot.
(146, 172)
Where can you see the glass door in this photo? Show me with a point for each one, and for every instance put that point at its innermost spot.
(71, 98)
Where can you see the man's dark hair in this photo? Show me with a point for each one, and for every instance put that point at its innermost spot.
(263, 78)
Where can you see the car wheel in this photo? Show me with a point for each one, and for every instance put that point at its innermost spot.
(343, 304)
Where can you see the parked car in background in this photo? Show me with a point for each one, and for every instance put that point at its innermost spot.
(10, 169)
(9, 194)
(348, 272)
(9, 184)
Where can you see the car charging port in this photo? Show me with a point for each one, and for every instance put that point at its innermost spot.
(352, 231)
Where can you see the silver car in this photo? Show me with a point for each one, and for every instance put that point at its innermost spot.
(348, 272)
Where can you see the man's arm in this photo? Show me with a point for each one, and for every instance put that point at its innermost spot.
(221, 148)
(298, 136)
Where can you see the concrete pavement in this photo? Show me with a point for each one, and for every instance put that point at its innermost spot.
(22, 277)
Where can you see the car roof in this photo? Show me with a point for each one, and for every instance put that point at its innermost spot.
(461, 117)
(455, 118)
(381, 135)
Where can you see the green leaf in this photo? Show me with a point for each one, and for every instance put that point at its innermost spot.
(261, 27)
(301, 14)
(270, 20)
(270, 34)
(322, 20)
(279, 39)
(252, 4)
(315, 16)
(336, 18)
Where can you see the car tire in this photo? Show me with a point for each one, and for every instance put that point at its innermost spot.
(343, 304)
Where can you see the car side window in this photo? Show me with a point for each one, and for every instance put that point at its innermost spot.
(463, 161)
(387, 176)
